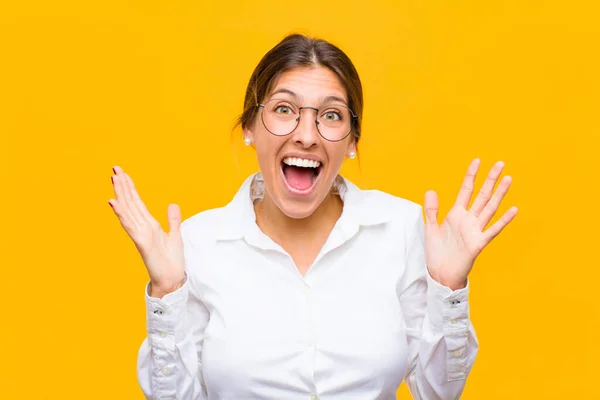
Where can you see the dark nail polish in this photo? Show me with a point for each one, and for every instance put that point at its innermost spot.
(110, 204)
(112, 180)
(114, 170)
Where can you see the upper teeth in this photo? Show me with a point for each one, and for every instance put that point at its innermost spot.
(301, 162)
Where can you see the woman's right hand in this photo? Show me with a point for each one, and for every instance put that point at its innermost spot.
(161, 252)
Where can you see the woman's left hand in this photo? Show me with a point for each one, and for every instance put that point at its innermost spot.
(452, 247)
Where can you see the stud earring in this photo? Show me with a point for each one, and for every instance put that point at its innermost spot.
(247, 141)
(351, 154)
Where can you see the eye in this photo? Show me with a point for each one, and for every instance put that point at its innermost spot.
(332, 115)
(283, 109)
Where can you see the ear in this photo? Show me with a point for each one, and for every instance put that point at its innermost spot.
(351, 147)
(248, 135)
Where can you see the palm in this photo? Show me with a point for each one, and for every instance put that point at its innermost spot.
(162, 252)
(158, 249)
(452, 247)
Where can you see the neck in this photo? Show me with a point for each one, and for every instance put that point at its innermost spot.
(283, 229)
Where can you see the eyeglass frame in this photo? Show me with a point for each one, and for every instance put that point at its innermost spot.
(262, 105)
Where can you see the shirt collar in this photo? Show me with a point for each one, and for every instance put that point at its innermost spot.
(240, 217)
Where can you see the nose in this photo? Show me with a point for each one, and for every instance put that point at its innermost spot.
(306, 133)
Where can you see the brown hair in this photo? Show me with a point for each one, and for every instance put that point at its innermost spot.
(297, 50)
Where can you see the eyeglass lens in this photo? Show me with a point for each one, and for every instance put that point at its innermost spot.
(281, 117)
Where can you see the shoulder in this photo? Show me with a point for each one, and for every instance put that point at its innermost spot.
(376, 206)
(205, 222)
(205, 225)
(390, 203)
(222, 223)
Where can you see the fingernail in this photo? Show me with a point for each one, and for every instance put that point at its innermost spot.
(112, 179)
(114, 172)
(110, 204)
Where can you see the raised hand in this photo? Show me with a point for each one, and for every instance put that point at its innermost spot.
(452, 247)
(161, 252)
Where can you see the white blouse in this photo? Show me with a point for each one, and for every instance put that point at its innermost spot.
(247, 325)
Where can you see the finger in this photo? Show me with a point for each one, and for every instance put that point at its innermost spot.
(135, 212)
(174, 216)
(118, 188)
(485, 194)
(491, 207)
(118, 170)
(121, 214)
(431, 208)
(466, 190)
(118, 173)
(497, 227)
(136, 200)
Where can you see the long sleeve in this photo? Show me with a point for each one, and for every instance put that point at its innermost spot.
(169, 365)
(441, 339)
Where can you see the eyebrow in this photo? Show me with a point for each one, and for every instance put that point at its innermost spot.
(323, 99)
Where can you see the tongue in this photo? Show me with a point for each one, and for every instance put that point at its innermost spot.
(298, 177)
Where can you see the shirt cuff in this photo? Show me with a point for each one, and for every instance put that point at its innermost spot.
(448, 311)
(165, 317)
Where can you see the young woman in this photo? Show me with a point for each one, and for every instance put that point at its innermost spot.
(305, 286)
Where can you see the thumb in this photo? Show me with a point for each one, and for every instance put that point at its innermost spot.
(174, 216)
(431, 207)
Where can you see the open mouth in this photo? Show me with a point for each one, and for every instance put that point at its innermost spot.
(300, 174)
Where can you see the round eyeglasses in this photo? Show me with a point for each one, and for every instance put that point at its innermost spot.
(281, 117)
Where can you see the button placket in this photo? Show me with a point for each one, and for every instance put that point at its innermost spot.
(310, 309)
(310, 332)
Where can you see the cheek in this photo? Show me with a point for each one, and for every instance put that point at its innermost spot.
(267, 148)
(336, 152)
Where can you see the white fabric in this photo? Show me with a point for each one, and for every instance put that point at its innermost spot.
(247, 325)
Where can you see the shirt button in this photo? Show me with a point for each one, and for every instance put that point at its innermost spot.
(453, 321)
(159, 312)
(314, 397)
(456, 353)
(163, 334)
(165, 371)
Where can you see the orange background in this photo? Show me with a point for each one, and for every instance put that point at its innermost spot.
(154, 86)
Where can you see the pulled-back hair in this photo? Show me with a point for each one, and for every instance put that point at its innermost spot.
(297, 50)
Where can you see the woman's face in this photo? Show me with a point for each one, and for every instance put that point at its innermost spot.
(299, 189)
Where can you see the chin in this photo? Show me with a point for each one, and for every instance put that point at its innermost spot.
(294, 210)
